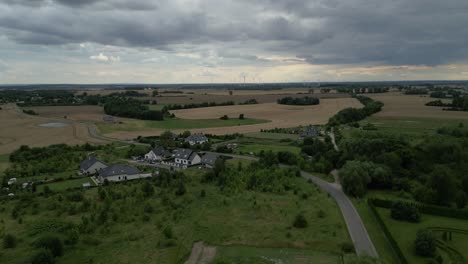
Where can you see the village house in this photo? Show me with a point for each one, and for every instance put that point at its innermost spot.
(117, 173)
(186, 157)
(196, 139)
(91, 165)
(158, 154)
(209, 160)
(310, 131)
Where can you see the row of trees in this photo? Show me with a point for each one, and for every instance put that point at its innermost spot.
(349, 115)
(299, 100)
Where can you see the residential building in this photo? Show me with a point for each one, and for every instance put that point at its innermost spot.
(91, 165)
(310, 131)
(158, 154)
(196, 139)
(209, 160)
(118, 172)
(186, 157)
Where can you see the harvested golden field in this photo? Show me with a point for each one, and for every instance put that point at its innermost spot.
(280, 116)
(75, 113)
(399, 105)
(18, 129)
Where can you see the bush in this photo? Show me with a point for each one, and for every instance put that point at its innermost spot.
(43, 257)
(300, 221)
(51, 243)
(425, 243)
(168, 232)
(9, 241)
(347, 247)
(405, 211)
(224, 117)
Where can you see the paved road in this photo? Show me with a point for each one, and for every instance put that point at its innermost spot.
(358, 232)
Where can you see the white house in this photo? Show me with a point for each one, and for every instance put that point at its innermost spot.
(186, 157)
(157, 154)
(196, 139)
(12, 181)
(117, 173)
(91, 165)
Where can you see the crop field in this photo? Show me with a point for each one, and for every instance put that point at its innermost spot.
(18, 129)
(401, 106)
(75, 113)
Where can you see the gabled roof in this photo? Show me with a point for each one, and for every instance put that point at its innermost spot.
(196, 138)
(209, 158)
(117, 169)
(310, 131)
(186, 154)
(161, 151)
(88, 162)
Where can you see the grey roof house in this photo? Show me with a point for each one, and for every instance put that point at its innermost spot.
(91, 165)
(310, 131)
(196, 139)
(209, 159)
(158, 153)
(118, 172)
(186, 157)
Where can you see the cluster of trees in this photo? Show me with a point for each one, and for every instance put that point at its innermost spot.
(29, 112)
(438, 103)
(459, 131)
(28, 161)
(250, 101)
(263, 176)
(459, 103)
(129, 94)
(349, 115)
(431, 171)
(299, 101)
(128, 107)
(323, 155)
(38, 97)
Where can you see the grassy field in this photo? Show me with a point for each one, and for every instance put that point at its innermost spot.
(263, 135)
(132, 234)
(405, 233)
(242, 254)
(4, 163)
(66, 184)
(138, 125)
(156, 107)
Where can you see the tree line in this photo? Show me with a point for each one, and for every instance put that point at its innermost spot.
(349, 115)
(131, 108)
(299, 100)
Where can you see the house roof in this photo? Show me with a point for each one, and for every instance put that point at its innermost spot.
(310, 131)
(88, 162)
(117, 169)
(209, 158)
(161, 151)
(196, 138)
(186, 154)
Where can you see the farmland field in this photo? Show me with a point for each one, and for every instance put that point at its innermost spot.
(18, 129)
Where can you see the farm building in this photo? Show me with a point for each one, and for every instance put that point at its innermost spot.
(196, 139)
(158, 154)
(209, 160)
(117, 173)
(310, 131)
(186, 157)
(91, 165)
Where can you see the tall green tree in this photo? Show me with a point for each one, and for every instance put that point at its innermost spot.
(354, 178)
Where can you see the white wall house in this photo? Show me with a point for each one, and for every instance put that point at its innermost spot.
(157, 154)
(118, 173)
(196, 139)
(186, 157)
(91, 165)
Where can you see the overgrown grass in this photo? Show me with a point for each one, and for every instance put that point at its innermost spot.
(4, 163)
(242, 254)
(175, 123)
(278, 136)
(66, 184)
(135, 236)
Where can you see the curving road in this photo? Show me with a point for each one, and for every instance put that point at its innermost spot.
(358, 232)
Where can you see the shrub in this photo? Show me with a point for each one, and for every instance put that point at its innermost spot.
(425, 243)
(224, 117)
(43, 257)
(241, 116)
(405, 211)
(300, 221)
(51, 243)
(168, 232)
(347, 247)
(9, 241)
(180, 189)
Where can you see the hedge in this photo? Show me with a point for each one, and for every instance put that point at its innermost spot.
(426, 209)
(399, 254)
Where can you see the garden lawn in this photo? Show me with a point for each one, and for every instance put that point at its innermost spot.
(405, 233)
(66, 184)
(175, 123)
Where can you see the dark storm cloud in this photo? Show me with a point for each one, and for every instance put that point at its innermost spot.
(397, 32)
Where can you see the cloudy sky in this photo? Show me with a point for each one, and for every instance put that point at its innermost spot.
(192, 41)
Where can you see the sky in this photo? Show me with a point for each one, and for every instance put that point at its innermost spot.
(225, 41)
